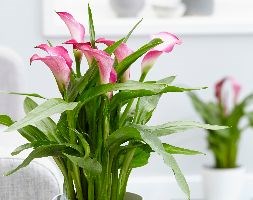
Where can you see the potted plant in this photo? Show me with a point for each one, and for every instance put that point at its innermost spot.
(101, 134)
(224, 180)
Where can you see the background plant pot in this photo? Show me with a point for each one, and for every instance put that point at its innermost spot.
(127, 8)
(129, 196)
(223, 184)
(199, 7)
(132, 196)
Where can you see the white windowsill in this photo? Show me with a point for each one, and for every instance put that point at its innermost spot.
(107, 24)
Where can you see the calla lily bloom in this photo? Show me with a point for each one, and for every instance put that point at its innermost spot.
(236, 87)
(120, 53)
(105, 63)
(59, 63)
(169, 41)
(76, 29)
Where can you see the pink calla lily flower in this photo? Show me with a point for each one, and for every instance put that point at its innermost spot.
(169, 41)
(76, 29)
(105, 63)
(58, 62)
(236, 87)
(120, 53)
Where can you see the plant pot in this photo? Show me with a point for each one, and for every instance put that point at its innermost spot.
(127, 8)
(129, 196)
(199, 7)
(223, 184)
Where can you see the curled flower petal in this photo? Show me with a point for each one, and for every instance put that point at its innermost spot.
(235, 86)
(120, 53)
(76, 29)
(169, 41)
(59, 68)
(57, 51)
(105, 63)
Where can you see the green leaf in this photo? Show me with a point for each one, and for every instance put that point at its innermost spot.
(91, 28)
(121, 136)
(110, 49)
(32, 133)
(82, 83)
(91, 166)
(157, 146)
(141, 156)
(147, 105)
(178, 150)
(126, 63)
(6, 120)
(25, 94)
(250, 118)
(29, 145)
(135, 88)
(46, 125)
(208, 112)
(44, 151)
(177, 126)
(132, 30)
(50, 107)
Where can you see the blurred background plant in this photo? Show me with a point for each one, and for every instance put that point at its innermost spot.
(228, 111)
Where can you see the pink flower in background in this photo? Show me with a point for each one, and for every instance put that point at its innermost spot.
(120, 53)
(169, 41)
(236, 87)
(76, 29)
(105, 63)
(59, 63)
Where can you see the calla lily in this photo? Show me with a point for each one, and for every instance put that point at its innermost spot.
(169, 41)
(76, 29)
(59, 63)
(120, 53)
(105, 63)
(236, 87)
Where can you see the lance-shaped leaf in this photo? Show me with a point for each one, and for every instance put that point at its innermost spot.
(46, 125)
(90, 166)
(129, 60)
(48, 108)
(177, 126)
(169, 41)
(5, 120)
(46, 151)
(147, 88)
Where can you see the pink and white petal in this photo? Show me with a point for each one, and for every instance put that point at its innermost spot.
(57, 51)
(59, 68)
(149, 60)
(121, 52)
(126, 76)
(169, 41)
(113, 76)
(76, 29)
(105, 41)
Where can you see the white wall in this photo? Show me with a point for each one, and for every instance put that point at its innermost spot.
(198, 62)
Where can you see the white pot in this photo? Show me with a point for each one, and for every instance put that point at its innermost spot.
(223, 184)
(128, 196)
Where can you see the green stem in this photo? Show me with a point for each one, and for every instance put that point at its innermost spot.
(124, 174)
(130, 103)
(91, 189)
(67, 182)
(77, 181)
